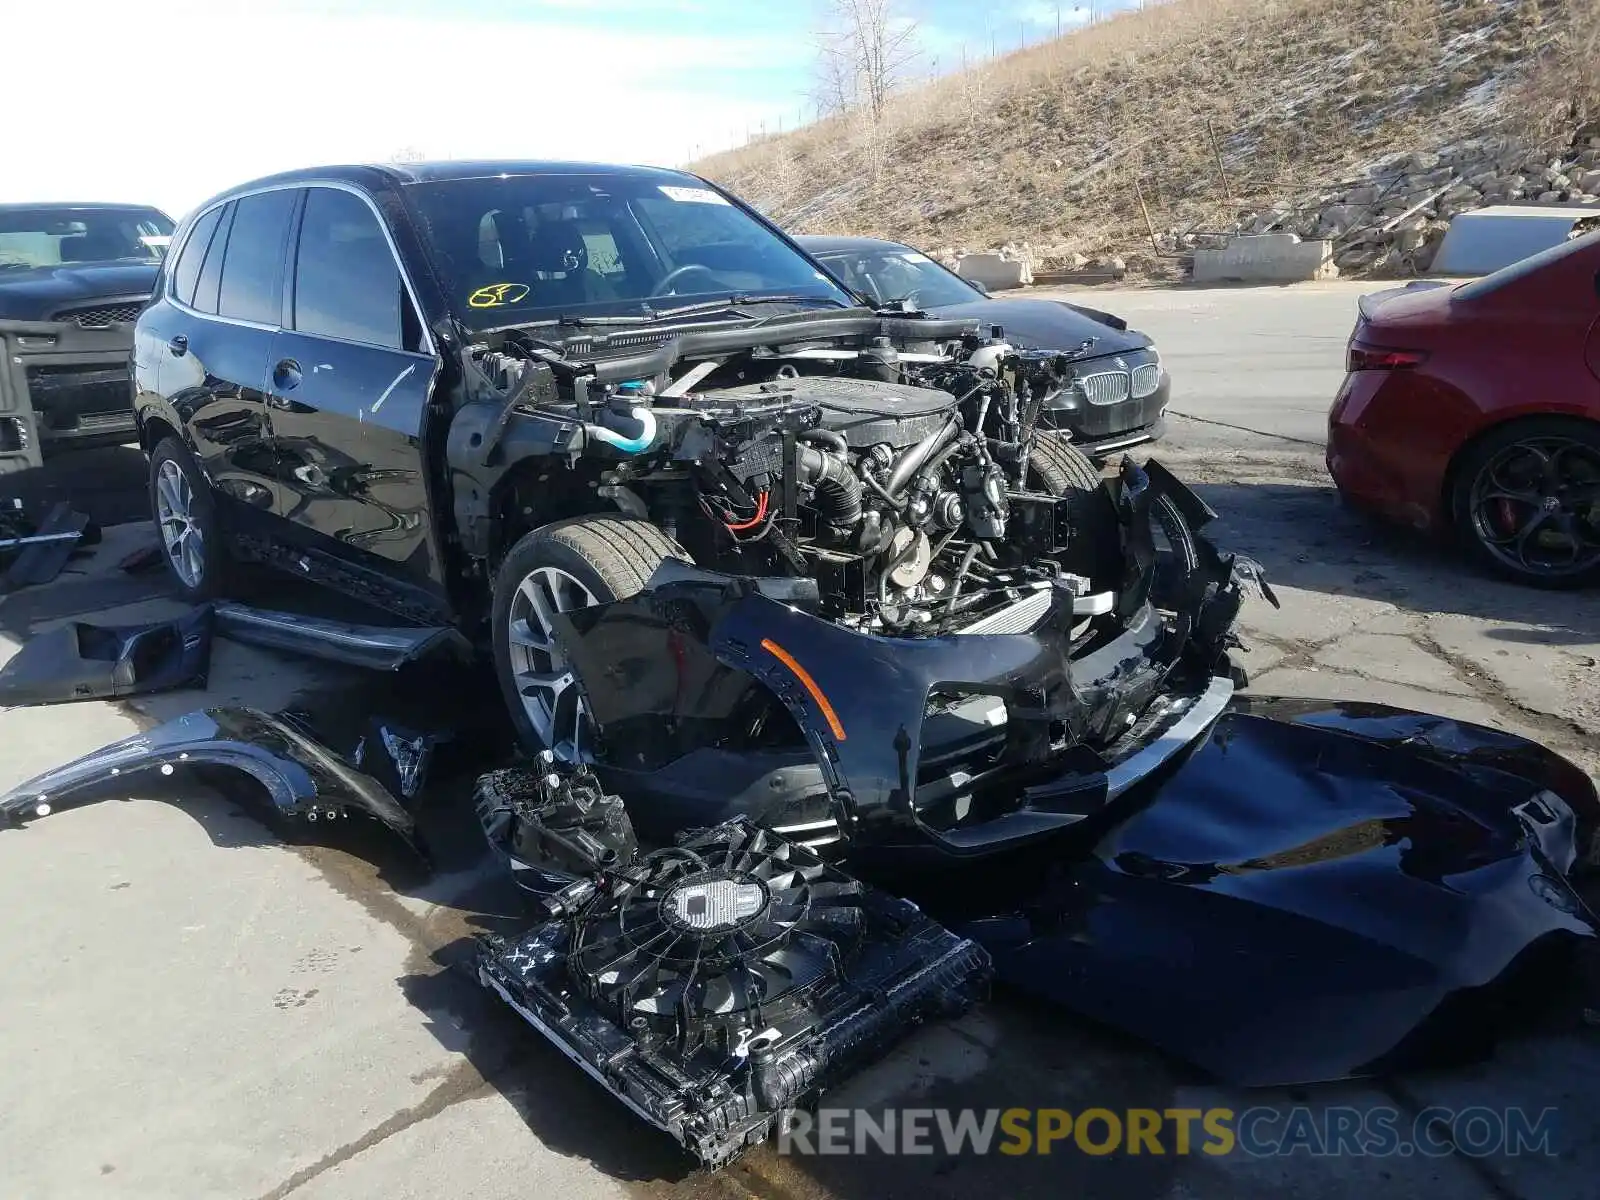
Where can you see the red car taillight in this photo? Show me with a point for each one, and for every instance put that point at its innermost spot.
(1382, 358)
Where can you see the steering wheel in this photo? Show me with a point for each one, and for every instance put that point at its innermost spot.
(664, 287)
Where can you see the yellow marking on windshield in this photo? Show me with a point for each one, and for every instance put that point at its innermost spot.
(496, 295)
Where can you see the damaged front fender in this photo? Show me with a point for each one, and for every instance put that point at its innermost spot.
(304, 780)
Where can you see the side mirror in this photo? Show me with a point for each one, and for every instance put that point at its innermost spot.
(980, 285)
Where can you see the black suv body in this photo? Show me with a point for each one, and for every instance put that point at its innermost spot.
(539, 401)
(73, 278)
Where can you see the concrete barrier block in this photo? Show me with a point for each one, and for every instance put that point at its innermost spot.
(1266, 258)
(993, 271)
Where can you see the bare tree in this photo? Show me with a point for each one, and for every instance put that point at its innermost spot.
(834, 85)
(866, 48)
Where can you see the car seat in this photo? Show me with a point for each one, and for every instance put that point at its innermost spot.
(557, 252)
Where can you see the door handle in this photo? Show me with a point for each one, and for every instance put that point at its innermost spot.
(179, 345)
(286, 375)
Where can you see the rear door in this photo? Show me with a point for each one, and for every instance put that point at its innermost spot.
(219, 340)
(350, 376)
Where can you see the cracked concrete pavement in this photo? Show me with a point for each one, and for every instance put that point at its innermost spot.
(195, 1009)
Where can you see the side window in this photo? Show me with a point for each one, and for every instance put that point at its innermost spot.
(187, 269)
(346, 282)
(205, 295)
(251, 270)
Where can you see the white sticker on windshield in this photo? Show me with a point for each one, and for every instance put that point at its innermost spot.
(913, 256)
(691, 195)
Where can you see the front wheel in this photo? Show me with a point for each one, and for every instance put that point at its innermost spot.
(1061, 469)
(558, 568)
(1526, 502)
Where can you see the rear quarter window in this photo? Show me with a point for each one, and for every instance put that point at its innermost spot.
(205, 292)
(186, 271)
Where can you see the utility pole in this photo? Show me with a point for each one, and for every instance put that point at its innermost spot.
(1058, 20)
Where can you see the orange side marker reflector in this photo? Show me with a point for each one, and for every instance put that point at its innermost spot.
(810, 684)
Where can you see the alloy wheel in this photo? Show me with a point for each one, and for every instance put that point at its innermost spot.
(180, 536)
(1535, 507)
(551, 699)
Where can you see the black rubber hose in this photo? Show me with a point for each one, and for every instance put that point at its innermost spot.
(838, 489)
(834, 441)
(961, 578)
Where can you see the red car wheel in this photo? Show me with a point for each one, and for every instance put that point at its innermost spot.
(1527, 501)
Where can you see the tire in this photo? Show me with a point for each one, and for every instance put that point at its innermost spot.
(610, 558)
(185, 513)
(1061, 469)
(1570, 496)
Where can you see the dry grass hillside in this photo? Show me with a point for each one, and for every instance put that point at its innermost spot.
(1057, 144)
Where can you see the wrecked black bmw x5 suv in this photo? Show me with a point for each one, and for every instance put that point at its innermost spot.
(510, 395)
(804, 613)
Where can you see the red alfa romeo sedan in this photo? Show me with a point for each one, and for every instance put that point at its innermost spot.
(1475, 409)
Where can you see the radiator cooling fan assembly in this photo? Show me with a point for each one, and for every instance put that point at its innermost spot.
(713, 984)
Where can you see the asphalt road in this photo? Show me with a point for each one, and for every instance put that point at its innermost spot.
(193, 1008)
(1264, 360)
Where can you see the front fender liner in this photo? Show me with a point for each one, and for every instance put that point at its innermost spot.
(304, 780)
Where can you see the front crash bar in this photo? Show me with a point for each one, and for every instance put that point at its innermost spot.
(1184, 732)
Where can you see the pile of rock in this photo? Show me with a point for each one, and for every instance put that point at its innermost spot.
(1392, 221)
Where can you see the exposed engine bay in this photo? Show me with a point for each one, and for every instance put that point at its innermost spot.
(907, 475)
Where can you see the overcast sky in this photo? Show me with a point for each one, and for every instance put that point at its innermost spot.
(169, 101)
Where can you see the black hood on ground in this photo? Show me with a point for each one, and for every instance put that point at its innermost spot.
(1046, 325)
(1323, 890)
(35, 295)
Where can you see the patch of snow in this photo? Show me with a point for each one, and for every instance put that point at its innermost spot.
(1485, 97)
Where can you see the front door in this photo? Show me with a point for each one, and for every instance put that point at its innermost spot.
(349, 380)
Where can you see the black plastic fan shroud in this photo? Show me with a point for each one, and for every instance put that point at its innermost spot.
(731, 930)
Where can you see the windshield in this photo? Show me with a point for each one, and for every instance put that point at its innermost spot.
(53, 236)
(895, 273)
(526, 248)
